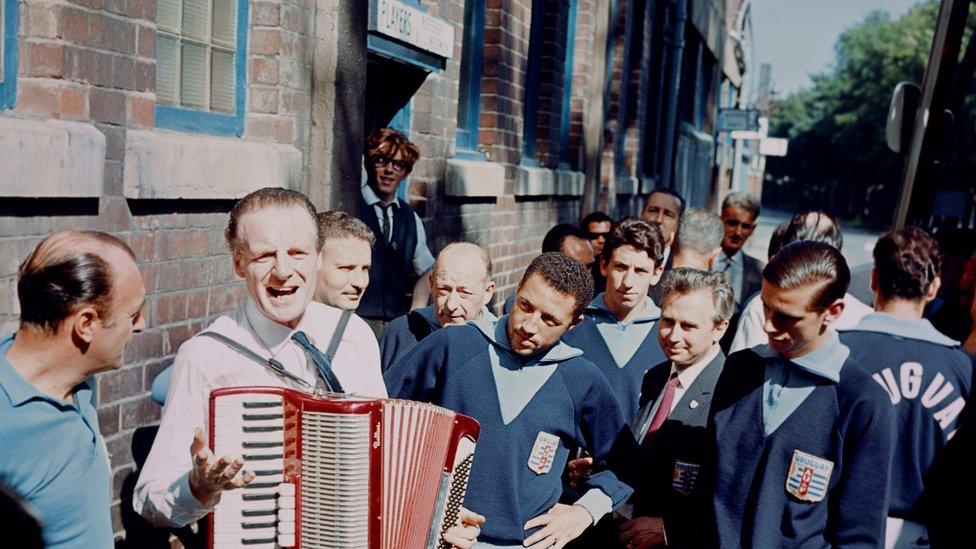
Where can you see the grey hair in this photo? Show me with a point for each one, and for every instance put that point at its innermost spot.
(683, 281)
(700, 231)
(742, 201)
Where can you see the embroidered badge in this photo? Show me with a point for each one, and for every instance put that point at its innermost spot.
(809, 477)
(543, 453)
(684, 477)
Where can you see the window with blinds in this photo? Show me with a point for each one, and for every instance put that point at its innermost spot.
(196, 49)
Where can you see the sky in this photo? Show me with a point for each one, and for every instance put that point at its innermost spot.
(797, 37)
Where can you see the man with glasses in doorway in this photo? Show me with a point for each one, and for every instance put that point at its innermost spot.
(401, 242)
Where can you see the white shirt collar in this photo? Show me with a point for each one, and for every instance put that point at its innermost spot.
(688, 376)
(369, 195)
(272, 335)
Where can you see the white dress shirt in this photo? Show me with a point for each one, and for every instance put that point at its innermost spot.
(685, 378)
(162, 493)
(750, 330)
(423, 260)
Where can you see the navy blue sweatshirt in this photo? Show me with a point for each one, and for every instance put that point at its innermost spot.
(559, 399)
(819, 477)
(624, 353)
(400, 335)
(927, 378)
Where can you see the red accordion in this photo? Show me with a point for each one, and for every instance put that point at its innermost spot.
(338, 471)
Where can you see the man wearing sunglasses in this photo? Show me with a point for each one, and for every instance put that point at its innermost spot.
(739, 214)
(401, 251)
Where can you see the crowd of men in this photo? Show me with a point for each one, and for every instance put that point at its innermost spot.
(691, 395)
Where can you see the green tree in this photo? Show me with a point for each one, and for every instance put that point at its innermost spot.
(836, 127)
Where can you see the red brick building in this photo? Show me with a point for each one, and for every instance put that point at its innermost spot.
(148, 118)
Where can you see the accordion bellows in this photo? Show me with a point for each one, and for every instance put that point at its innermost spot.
(338, 471)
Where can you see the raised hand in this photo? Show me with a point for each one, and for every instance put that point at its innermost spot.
(561, 525)
(211, 475)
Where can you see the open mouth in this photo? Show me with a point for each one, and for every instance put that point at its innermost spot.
(282, 293)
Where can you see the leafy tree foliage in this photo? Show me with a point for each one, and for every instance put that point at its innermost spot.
(838, 159)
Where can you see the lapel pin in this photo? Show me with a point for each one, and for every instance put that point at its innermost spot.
(693, 404)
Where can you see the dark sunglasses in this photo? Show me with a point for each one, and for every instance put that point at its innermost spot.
(398, 165)
(733, 223)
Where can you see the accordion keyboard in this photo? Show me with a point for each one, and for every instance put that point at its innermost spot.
(262, 514)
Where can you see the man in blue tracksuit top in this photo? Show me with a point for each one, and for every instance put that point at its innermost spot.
(802, 434)
(461, 285)
(534, 397)
(925, 374)
(618, 332)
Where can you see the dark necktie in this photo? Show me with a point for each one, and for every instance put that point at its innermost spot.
(387, 228)
(321, 362)
(664, 408)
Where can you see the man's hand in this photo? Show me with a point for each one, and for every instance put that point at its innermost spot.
(464, 535)
(579, 471)
(209, 475)
(643, 533)
(561, 525)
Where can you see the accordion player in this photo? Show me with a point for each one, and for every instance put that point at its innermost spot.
(338, 471)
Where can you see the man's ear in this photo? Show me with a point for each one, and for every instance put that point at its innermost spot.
(720, 329)
(576, 322)
(82, 324)
(658, 273)
(933, 290)
(489, 292)
(604, 268)
(239, 265)
(710, 258)
(833, 311)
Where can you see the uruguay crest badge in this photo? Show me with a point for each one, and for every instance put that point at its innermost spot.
(809, 477)
(684, 477)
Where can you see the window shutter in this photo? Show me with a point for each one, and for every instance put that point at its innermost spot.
(195, 19)
(222, 82)
(167, 69)
(193, 76)
(168, 16)
(225, 23)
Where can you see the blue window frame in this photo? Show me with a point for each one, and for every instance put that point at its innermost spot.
(469, 89)
(9, 19)
(564, 118)
(530, 106)
(201, 74)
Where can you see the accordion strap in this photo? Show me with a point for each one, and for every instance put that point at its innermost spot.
(337, 335)
(269, 363)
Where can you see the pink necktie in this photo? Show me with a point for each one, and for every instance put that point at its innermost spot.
(664, 408)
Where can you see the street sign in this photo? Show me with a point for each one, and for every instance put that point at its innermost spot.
(399, 20)
(773, 146)
(760, 133)
(730, 120)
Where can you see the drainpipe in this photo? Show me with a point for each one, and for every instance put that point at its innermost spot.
(676, 47)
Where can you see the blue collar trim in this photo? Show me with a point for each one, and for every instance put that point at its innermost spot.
(825, 361)
(598, 307)
(19, 390)
(497, 335)
(919, 329)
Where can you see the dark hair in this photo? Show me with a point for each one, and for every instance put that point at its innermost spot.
(388, 142)
(683, 281)
(336, 224)
(553, 241)
(61, 276)
(815, 226)
(266, 198)
(641, 235)
(742, 201)
(594, 217)
(776, 239)
(807, 263)
(907, 261)
(669, 192)
(565, 275)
